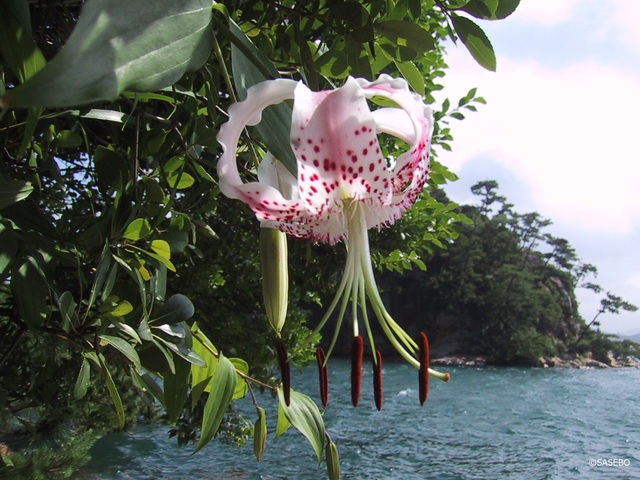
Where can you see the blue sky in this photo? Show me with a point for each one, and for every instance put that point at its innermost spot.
(560, 131)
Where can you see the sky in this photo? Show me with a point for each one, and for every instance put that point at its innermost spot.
(560, 131)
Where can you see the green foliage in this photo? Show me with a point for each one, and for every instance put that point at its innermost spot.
(515, 286)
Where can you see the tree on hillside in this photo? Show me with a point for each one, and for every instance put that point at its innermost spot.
(514, 283)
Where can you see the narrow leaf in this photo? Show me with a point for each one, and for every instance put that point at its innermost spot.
(283, 423)
(222, 388)
(176, 387)
(113, 391)
(305, 416)
(123, 347)
(82, 382)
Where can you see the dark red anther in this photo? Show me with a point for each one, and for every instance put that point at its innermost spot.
(323, 374)
(423, 379)
(377, 380)
(357, 352)
(284, 371)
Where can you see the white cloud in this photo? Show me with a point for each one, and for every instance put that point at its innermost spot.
(570, 133)
(626, 17)
(545, 12)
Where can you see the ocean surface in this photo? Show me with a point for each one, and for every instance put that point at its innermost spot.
(486, 423)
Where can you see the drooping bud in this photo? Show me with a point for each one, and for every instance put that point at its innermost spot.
(275, 276)
(260, 434)
(333, 461)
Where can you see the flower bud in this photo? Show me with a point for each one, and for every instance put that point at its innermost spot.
(275, 276)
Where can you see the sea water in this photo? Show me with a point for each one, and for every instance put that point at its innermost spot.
(486, 423)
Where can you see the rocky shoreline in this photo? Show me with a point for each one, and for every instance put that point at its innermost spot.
(564, 361)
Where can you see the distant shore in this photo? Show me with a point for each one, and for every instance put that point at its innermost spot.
(565, 361)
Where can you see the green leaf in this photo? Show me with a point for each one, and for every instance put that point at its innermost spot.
(241, 386)
(8, 249)
(20, 53)
(283, 423)
(413, 75)
(180, 180)
(82, 382)
(178, 308)
(483, 9)
(67, 306)
(491, 9)
(111, 169)
(163, 260)
(30, 290)
(67, 139)
(476, 41)
(222, 387)
(137, 229)
(161, 247)
(250, 66)
(135, 45)
(182, 351)
(506, 8)
(98, 360)
(406, 34)
(176, 387)
(12, 190)
(359, 60)
(123, 347)
(121, 309)
(101, 276)
(305, 416)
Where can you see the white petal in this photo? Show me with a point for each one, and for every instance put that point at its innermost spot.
(242, 114)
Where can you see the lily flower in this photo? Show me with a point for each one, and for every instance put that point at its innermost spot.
(344, 185)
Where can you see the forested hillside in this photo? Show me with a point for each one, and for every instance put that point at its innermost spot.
(506, 289)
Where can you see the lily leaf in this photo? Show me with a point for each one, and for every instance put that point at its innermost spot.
(305, 416)
(136, 45)
(222, 387)
(82, 382)
(123, 347)
(176, 387)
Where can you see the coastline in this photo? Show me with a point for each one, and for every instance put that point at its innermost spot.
(564, 361)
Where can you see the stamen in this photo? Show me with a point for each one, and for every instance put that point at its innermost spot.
(323, 374)
(423, 376)
(377, 380)
(285, 371)
(357, 353)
